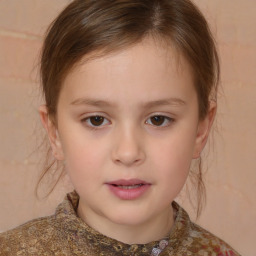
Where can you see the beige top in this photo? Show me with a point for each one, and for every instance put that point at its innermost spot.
(64, 233)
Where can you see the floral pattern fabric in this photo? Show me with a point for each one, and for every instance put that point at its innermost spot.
(64, 233)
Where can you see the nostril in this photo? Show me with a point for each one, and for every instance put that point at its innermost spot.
(128, 161)
(128, 150)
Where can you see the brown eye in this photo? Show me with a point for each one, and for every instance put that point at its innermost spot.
(159, 120)
(96, 120)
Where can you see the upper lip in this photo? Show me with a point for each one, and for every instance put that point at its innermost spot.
(130, 182)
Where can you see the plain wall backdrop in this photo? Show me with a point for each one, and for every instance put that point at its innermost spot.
(230, 179)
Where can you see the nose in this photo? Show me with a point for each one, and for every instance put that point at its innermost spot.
(128, 148)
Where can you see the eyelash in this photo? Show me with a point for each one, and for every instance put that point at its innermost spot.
(167, 121)
(87, 120)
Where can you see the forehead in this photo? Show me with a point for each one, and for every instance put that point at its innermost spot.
(149, 50)
(150, 68)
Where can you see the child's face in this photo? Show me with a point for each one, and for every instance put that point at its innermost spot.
(145, 134)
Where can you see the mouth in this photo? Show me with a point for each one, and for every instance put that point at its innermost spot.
(128, 184)
(128, 189)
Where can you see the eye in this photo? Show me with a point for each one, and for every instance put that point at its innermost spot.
(95, 121)
(159, 120)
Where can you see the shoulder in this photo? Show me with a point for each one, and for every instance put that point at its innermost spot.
(205, 241)
(191, 239)
(32, 236)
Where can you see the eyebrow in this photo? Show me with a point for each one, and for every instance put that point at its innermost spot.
(150, 104)
(92, 102)
(165, 102)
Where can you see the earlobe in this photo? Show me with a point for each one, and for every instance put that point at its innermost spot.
(52, 133)
(204, 128)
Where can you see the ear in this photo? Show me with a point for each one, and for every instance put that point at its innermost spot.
(204, 127)
(52, 132)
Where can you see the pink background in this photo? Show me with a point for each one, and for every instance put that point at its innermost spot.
(231, 174)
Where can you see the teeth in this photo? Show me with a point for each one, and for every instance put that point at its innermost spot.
(131, 186)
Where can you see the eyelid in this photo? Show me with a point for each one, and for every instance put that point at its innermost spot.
(91, 115)
(169, 118)
(85, 119)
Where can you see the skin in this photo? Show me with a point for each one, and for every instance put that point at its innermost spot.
(128, 88)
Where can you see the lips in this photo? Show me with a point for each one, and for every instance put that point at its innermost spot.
(131, 182)
(128, 189)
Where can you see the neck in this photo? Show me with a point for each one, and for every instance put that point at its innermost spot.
(149, 231)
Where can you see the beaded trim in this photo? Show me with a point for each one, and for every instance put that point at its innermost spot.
(161, 246)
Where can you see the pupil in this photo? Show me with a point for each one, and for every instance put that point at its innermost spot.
(97, 120)
(157, 120)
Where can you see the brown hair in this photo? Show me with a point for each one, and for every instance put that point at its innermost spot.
(87, 26)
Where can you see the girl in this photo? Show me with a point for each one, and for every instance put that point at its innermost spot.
(130, 97)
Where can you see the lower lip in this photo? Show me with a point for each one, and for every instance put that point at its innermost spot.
(128, 194)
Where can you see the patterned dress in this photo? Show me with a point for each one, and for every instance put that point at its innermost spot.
(64, 233)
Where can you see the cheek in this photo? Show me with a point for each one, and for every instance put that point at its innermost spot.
(83, 160)
(175, 173)
(174, 159)
(176, 151)
(175, 166)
